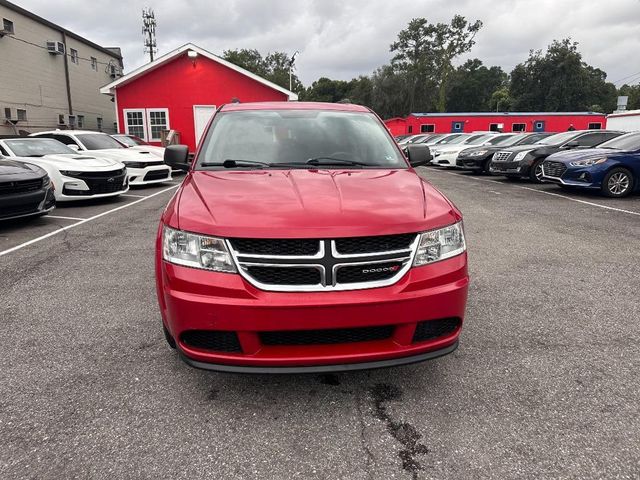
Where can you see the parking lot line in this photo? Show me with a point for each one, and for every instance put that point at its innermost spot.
(85, 220)
(65, 218)
(606, 207)
(131, 195)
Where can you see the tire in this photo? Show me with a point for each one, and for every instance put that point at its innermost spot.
(170, 340)
(485, 167)
(535, 174)
(617, 183)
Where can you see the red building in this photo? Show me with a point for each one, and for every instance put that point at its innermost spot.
(181, 90)
(498, 121)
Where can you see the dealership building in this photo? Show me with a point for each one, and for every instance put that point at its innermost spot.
(181, 90)
(417, 123)
(51, 77)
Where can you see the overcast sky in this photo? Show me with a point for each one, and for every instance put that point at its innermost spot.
(345, 38)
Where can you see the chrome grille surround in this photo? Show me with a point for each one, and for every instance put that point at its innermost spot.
(501, 156)
(328, 262)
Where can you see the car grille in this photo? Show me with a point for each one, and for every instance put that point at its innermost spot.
(16, 210)
(288, 247)
(316, 265)
(156, 174)
(20, 186)
(98, 183)
(553, 169)
(153, 164)
(431, 329)
(501, 156)
(216, 340)
(326, 337)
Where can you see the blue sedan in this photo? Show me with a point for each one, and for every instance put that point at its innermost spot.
(613, 167)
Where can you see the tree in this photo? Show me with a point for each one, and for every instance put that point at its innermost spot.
(326, 90)
(559, 81)
(424, 52)
(472, 85)
(274, 67)
(500, 100)
(633, 92)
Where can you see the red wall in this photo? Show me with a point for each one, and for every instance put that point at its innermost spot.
(397, 126)
(181, 84)
(553, 123)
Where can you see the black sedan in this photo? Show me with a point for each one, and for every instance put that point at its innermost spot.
(525, 161)
(25, 190)
(478, 158)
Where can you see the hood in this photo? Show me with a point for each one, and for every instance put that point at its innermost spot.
(301, 203)
(122, 154)
(159, 151)
(19, 169)
(584, 154)
(75, 162)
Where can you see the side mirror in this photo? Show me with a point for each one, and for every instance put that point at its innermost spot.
(571, 144)
(418, 155)
(176, 156)
(73, 146)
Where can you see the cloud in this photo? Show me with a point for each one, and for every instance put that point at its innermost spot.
(343, 39)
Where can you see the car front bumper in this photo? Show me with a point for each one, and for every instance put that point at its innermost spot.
(198, 300)
(471, 163)
(445, 159)
(149, 175)
(509, 169)
(27, 204)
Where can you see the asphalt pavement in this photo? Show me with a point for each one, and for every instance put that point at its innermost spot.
(545, 383)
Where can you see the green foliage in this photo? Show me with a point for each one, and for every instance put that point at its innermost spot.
(274, 67)
(633, 92)
(559, 81)
(472, 86)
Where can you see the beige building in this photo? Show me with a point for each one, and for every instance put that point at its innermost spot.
(51, 77)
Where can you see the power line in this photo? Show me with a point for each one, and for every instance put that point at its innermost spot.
(637, 74)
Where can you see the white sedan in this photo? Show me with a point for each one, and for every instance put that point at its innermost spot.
(74, 176)
(138, 144)
(447, 154)
(143, 168)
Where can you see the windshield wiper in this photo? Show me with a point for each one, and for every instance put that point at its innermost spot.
(334, 161)
(230, 163)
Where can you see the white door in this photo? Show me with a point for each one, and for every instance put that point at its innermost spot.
(201, 116)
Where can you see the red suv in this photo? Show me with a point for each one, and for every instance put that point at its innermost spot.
(302, 240)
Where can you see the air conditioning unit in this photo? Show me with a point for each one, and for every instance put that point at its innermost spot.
(56, 48)
(61, 119)
(114, 71)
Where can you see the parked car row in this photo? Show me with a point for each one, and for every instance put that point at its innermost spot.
(604, 160)
(68, 165)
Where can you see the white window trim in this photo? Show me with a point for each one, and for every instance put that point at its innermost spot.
(144, 121)
(148, 119)
(519, 123)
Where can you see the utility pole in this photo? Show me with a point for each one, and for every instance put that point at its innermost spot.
(149, 32)
(291, 62)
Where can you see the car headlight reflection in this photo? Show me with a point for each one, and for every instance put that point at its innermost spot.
(589, 162)
(197, 251)
(440, 244)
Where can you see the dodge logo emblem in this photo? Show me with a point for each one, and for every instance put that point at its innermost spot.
(111, 179)
(393, 268)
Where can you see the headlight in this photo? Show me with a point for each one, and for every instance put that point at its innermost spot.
(521, 155)
(46, 181)
(197, 251)
(448, 152)
(586, 163)
(135, 164)
(69, 173)
(477, 153)
(440, 244)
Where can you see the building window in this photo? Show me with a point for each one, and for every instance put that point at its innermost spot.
(74, 55)
(7, 27)
(7, 113)
(158, 122)
(518, 127)
(22, 115)
(80, 121)
(94, 63)
(410, 129)
(99, 123)
(595, 126)
(427, 128)
(135, 123)
(61, 119)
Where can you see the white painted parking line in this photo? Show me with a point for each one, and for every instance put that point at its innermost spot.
(69, 227)
(131, 195)
(593, 204)
(64, 218)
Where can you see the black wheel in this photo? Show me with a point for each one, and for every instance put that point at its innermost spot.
(485, 167)
(170, 340)
(617, 183)
(535, 174)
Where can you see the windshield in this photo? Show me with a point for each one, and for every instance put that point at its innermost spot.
(98, 141)
(630, 141)
(505, 139)
(126, 140)
(455, 138)
(295, 137)
(37, 147)
(477, 140)
(558, 138)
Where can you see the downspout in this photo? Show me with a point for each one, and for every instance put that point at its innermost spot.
(66, 73)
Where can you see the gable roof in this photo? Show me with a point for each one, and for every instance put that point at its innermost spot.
(160, 61)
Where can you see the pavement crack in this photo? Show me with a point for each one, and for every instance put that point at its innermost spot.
(370, 459)
(403, 432)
